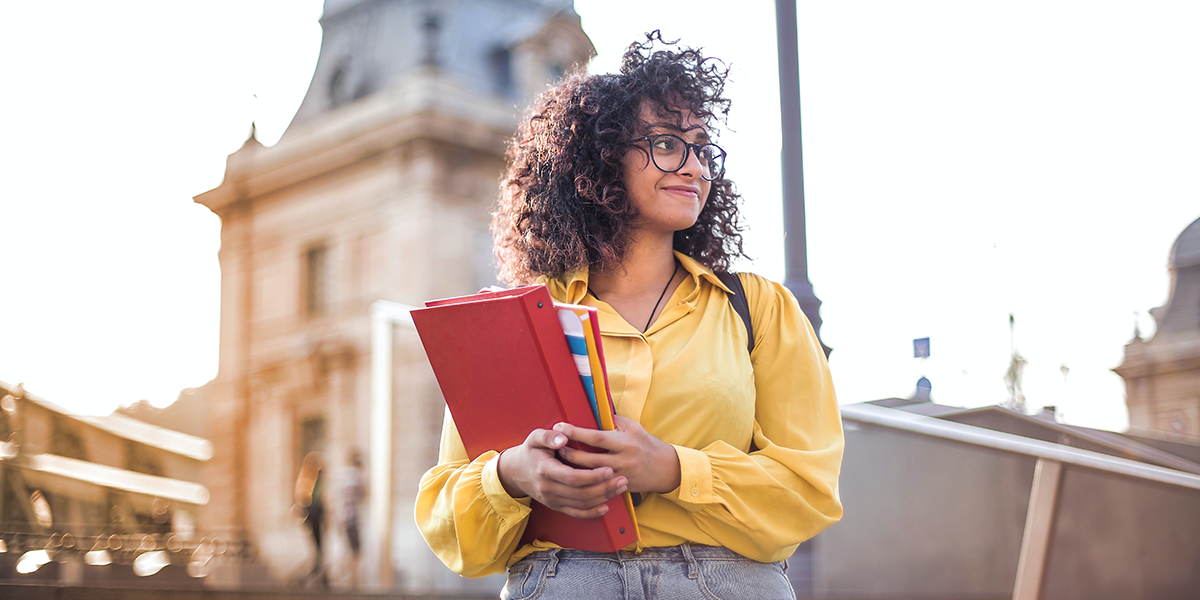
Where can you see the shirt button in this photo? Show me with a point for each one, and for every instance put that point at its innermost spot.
(514, 509)
(695, 492)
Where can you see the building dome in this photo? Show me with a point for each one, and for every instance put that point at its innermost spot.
(1182, 311)
(1186, 252)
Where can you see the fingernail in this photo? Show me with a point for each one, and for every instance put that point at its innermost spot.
(557, 427)
(558, 439)
(603, 509)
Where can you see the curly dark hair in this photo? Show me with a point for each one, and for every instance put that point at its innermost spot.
(563, 205)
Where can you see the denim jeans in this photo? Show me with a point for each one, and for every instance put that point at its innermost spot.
(678, 572)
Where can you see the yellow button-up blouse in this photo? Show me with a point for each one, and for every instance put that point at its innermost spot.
(759, 436)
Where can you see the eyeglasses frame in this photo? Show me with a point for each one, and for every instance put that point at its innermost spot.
(687, 150)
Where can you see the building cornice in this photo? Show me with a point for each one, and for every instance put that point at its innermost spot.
(1160, 356)
(427, 106)
(129, 428)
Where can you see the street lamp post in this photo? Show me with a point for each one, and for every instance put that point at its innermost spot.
(795, 236)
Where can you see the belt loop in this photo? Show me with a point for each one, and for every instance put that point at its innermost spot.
(553, 566)
(693, 566)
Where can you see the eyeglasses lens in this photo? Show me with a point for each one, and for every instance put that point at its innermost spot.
(713, 159)
(670, 153)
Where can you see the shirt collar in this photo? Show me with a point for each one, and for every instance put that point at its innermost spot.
(573, 287)
(699, 271)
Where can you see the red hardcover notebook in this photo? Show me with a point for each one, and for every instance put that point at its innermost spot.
(505, 369)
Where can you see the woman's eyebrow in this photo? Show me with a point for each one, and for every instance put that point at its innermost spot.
(701, 136)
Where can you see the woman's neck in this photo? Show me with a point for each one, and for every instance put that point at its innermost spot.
(644, 269)
(638, 289)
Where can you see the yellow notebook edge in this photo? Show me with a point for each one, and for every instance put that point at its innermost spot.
(599, 378)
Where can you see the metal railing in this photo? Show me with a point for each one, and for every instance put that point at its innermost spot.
(147, 552)
(897, 419)
(1047, 477)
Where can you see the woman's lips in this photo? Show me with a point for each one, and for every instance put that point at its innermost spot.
(683, 190)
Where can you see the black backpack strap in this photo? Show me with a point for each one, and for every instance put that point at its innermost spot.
(740, 304)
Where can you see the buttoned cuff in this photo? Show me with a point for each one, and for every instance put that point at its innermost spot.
(695, 478)
(510, 509)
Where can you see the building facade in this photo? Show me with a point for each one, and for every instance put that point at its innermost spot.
(96, 494)
(380, 189)
(1162, 374)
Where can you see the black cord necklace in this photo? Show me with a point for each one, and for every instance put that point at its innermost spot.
(660, 296)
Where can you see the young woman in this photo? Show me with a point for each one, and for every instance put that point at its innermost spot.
(616, 197)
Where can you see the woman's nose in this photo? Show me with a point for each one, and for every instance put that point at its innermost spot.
(691, 164)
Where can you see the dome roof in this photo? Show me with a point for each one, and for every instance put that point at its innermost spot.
(1186, 252)
(1182, 311)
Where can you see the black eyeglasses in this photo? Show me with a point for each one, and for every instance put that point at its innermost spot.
(669, 153)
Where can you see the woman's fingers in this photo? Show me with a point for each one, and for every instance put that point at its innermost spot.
(579, 490)
(590, 460)
(582, 483)
(541, 475)
(554, 470)
(546, 438)
(591, 513)
(519, 466)
(650, 464)
(592, 437)
(560, 497)
(587, 497)
(625, 423)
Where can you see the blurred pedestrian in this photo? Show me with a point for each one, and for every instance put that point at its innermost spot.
(310, 504)
(352, 493)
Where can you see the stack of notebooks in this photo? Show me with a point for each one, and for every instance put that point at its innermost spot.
(512, 361)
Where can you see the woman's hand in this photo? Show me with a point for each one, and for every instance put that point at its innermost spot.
(532, 469)
(648, 463)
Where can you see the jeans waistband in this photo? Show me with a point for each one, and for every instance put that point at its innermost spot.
(684, 552)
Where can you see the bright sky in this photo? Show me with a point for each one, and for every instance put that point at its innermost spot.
(963, 161)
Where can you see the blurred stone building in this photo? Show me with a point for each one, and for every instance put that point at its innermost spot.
(96, 494)
(1162, 374)
(381, 188)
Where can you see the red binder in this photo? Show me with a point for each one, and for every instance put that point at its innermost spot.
(505, 369)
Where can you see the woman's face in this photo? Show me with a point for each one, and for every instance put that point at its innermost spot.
(666, 202)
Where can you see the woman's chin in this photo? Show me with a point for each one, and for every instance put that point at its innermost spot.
(666, 227)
